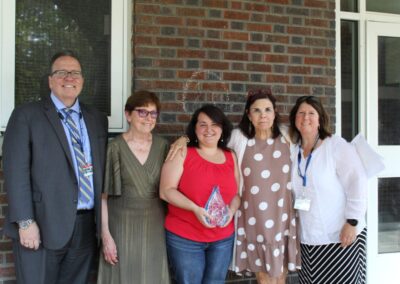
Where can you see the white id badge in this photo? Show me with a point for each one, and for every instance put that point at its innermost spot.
(302, 204)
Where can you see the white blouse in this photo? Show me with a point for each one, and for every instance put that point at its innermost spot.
(337, 187)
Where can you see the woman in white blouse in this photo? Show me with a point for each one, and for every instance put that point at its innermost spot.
(330, 188)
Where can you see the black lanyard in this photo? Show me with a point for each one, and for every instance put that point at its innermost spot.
(304, 177)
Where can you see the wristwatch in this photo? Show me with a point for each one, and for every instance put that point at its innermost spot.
(352, 222)
(24, 224)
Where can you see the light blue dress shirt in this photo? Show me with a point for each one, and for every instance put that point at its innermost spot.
(79, 121)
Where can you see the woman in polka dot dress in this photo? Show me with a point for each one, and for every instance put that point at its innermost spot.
(267, 241)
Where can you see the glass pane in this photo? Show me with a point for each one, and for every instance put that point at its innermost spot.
(349, 5)
(389, 215)
(44, 27)
(389, 90)
(349, 78)
(384, 6)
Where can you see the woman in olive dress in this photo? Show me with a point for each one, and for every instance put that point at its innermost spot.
(133, 237)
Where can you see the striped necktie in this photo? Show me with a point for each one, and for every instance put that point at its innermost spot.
(85, 188)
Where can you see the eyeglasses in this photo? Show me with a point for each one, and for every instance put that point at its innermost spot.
(62, 74)
(144, 113)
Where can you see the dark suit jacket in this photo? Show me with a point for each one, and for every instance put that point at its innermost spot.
(39, 174)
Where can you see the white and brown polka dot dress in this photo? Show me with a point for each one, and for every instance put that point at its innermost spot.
(266, 231)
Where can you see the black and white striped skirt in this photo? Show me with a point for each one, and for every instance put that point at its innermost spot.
(332, 264)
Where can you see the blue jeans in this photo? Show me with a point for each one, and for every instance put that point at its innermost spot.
(194, 262)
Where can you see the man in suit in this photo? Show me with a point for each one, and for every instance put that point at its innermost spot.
(53, 162)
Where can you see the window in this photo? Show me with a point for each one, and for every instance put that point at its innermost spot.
(34, 30)
(349, 78)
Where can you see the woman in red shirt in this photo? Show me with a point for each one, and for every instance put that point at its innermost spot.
(199, 252)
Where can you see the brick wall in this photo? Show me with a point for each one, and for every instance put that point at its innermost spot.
(192, 51)
(195, 51)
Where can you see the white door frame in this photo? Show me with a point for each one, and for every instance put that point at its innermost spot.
(381, 268)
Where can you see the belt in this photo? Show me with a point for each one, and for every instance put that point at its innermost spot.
(84, 211)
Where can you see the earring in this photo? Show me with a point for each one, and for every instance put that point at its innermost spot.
(222, 140)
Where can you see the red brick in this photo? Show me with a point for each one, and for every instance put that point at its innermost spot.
(6, 245)
(329, 15)
(236, 5)
(147, 51)
(256, 7)
(215, 86)
(315, 3)
(191, 12)
(259, 67)
(299, 70)
(316, 80)
(170, 63)
(190, 53)
(146, 73)
(183, 118)
(236, 35)
(235, 15)
(176, 107)
(258, 47)
(257, 27)
(316, 42)
(235, 118)
(192, 96)
(277, 19)
(298, 30)
(143, 84)
(142, 29)
(277, 78)
(170, 21)
(317, 23)
(318, 32)
(191, 22)
(299, 50)
(235, 56)
(235, 76)
(316, 60)
(170, 128)
(219, 65)
(7, 271)
(3, 198)
(191, 32)
(329, 52)
(215, 3)
(9, 257)
(143, 40)
(184, 74)
(215, 44)
(198, 75)
(147, 8)
(290, 89)
(215, 24)
(169, 41)
(284, 2)
(276, 58)
(277, 39)
(143, 19)
(172, 85)
(318, 51)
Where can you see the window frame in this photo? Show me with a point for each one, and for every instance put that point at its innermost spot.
(121, 34)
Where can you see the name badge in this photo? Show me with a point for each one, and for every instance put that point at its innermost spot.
(87, 170)
(302, 204)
